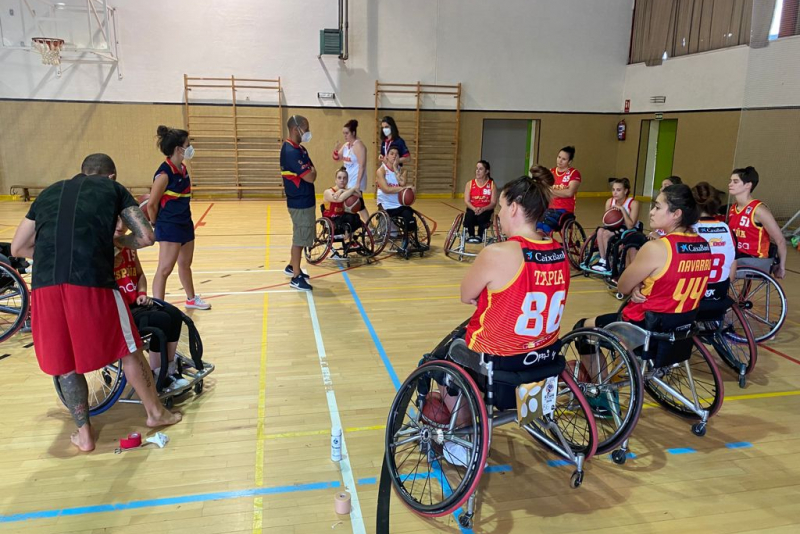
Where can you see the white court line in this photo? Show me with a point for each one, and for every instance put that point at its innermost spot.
(251, 271)
(259, 292)
(344, 465)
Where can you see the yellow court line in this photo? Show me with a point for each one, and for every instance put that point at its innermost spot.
(750, 396)
(258, 502)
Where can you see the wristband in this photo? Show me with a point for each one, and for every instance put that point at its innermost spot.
(336, 155)
(141, 293)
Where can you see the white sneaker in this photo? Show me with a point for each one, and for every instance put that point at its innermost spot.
(600, 267)
(176, 383)
(197, 303)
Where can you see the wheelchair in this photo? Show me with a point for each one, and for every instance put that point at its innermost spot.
(15, 299)
(762, 301)
(329, 233)
(435, 455)
(722, 325)
(616, 364)
(455, 244)
(107, 386)
(570, 234)
(386, 230)
(616, 256)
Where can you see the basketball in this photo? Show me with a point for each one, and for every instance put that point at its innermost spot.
(352, 204)
(142, 199)
(434, 412)
(613, 218)
(406, 197)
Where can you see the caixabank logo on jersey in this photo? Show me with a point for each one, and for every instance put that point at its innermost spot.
(711, 230)
(545, 257)
(693, 248)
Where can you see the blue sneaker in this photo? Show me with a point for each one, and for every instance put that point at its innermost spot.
(299, 283)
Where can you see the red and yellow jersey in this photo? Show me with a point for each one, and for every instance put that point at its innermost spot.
(680, 285)
(525, 315)
(480, 197)
(127, 275)
(562, 181)
(751, 238)
(333, 209)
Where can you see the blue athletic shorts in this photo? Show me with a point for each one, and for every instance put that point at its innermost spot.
(174, 233)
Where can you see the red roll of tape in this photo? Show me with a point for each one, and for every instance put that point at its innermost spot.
(131, 442)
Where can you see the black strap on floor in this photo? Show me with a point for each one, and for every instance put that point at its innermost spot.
(384, 500)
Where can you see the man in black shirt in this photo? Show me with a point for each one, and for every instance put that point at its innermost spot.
(80, 322)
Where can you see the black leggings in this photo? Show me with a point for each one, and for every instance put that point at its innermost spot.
(482, 221)
(168, 319)
(346, 222)
(405, 213)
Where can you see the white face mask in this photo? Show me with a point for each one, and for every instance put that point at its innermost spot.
(387, 132)
(306, 137)
(188, 152)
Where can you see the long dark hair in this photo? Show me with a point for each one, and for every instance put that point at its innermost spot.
(352, 125)
(392, 125)
(708, 198)
(532, 193)
(679, 197)
(487, 167)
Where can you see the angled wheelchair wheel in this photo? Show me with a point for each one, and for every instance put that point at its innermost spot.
(435, 456)
(323, 241)
(379, 225)
(105, 387)
(741, 356)
(586, 255)
(361, 242)
(15, 301)
(572, 238)
(453, 235)
(762, 301)
(423, 234)
(499, 236)
(610, 379)
(698, 374)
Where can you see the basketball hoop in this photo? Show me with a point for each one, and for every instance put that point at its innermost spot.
(49, 48)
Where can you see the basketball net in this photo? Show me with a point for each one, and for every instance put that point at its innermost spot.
(49, 48)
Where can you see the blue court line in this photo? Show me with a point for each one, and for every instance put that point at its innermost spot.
(739, 445)
(557, 463)
(681, 451)
(368, 480)
(386, 363)
(497, 468)
(168, 501)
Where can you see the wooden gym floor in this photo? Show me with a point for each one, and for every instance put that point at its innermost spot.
(252, 453)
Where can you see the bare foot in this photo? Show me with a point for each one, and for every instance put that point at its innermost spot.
(83, 439)
(165, 418)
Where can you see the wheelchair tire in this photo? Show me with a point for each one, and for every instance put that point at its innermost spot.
(378, 224)
(610, 379)
(762, 301)
(366, 244)
(452, 235)
(411, 442)
(707, 382)
(499, 236)
(572, 238)
(105, 387)
(423, 233)
(738, 355)
(15, 301)
(323, 241)
(587, 251)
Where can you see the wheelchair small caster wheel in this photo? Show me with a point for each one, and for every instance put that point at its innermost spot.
(742, 381)
(198, 388)
(169, 402)
(619, 457)
(586, 274)
(619, 296)
(699, 429)
(576, 480)
(465, 520)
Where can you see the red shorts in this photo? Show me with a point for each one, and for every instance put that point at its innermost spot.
(80, 329)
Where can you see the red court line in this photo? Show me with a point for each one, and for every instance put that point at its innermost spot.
(449, 206)
(200, 222)
(779, 353)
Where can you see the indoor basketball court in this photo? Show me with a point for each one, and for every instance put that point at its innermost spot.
(636, 89)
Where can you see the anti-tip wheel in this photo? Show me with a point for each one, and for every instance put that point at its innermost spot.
(465, 520)
(198, 388)
(619, 296)
(619, 457)
(699, 429)
(169, 402)
(742, 381)
(576, 480)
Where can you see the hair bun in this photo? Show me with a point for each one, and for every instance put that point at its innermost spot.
(749, 168)
(162, 131)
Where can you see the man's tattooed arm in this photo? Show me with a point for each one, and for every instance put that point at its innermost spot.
(141, 232)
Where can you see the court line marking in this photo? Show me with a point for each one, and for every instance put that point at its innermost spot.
(356, 518)
(374, 335)
(200, 222)
(258, 502)
(779, 353)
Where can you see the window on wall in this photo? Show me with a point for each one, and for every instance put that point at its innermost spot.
(666, 29)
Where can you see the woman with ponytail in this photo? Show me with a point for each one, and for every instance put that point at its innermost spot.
(719, 237)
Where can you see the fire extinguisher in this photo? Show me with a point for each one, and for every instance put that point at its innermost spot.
(621, 130)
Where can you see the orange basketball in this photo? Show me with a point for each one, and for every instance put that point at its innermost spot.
(406, 197)
(352, 204)
(434, 411)
(613, 218)
(143, 204)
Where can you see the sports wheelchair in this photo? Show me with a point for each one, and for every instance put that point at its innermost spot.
(15, 300)
(455, 244)
(616, 364)
(386, 229)
(436, 454)
(330, 232)
(616, 256)
(570, 234)
(107, 385)
(761, 298)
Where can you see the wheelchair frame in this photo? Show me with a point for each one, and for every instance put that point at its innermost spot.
(386, 229)
(13, 287)
(455, 236)
(746, 290)
(730, 336)
(325, 234)
(589, 251)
